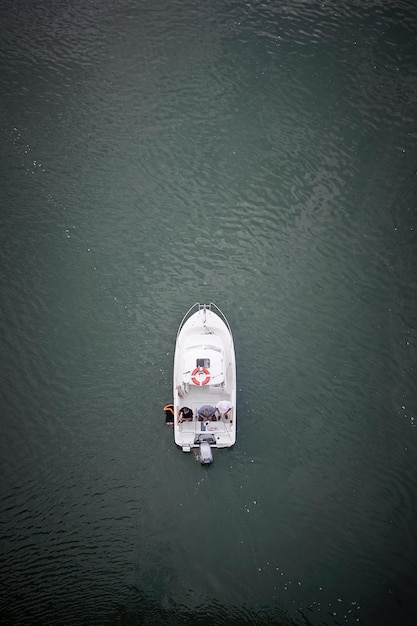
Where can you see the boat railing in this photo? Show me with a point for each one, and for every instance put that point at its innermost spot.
(222, 315)
(197, 306)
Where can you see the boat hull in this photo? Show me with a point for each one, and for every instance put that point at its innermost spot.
(204, 375)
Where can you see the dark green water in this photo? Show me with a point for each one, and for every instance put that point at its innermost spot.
(262, 155)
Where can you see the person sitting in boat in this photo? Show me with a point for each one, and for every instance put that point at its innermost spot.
(186, 414)
(223, 408)
(169, 414)
(206, 412)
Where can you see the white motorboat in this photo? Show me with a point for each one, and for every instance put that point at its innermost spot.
(205, 382)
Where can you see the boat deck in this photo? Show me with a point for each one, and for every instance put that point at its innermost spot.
(192, 432)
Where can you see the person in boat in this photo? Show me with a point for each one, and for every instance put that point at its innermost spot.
(169, 414)
(186, 414)
(206, 412)
(223, 408)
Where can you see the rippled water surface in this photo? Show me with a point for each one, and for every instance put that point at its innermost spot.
(261, 155)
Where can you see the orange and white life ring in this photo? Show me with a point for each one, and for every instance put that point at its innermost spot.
(197, 372)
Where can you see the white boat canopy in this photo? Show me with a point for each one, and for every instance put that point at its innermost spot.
(203, 363)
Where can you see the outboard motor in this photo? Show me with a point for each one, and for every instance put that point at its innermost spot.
(206, 456)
